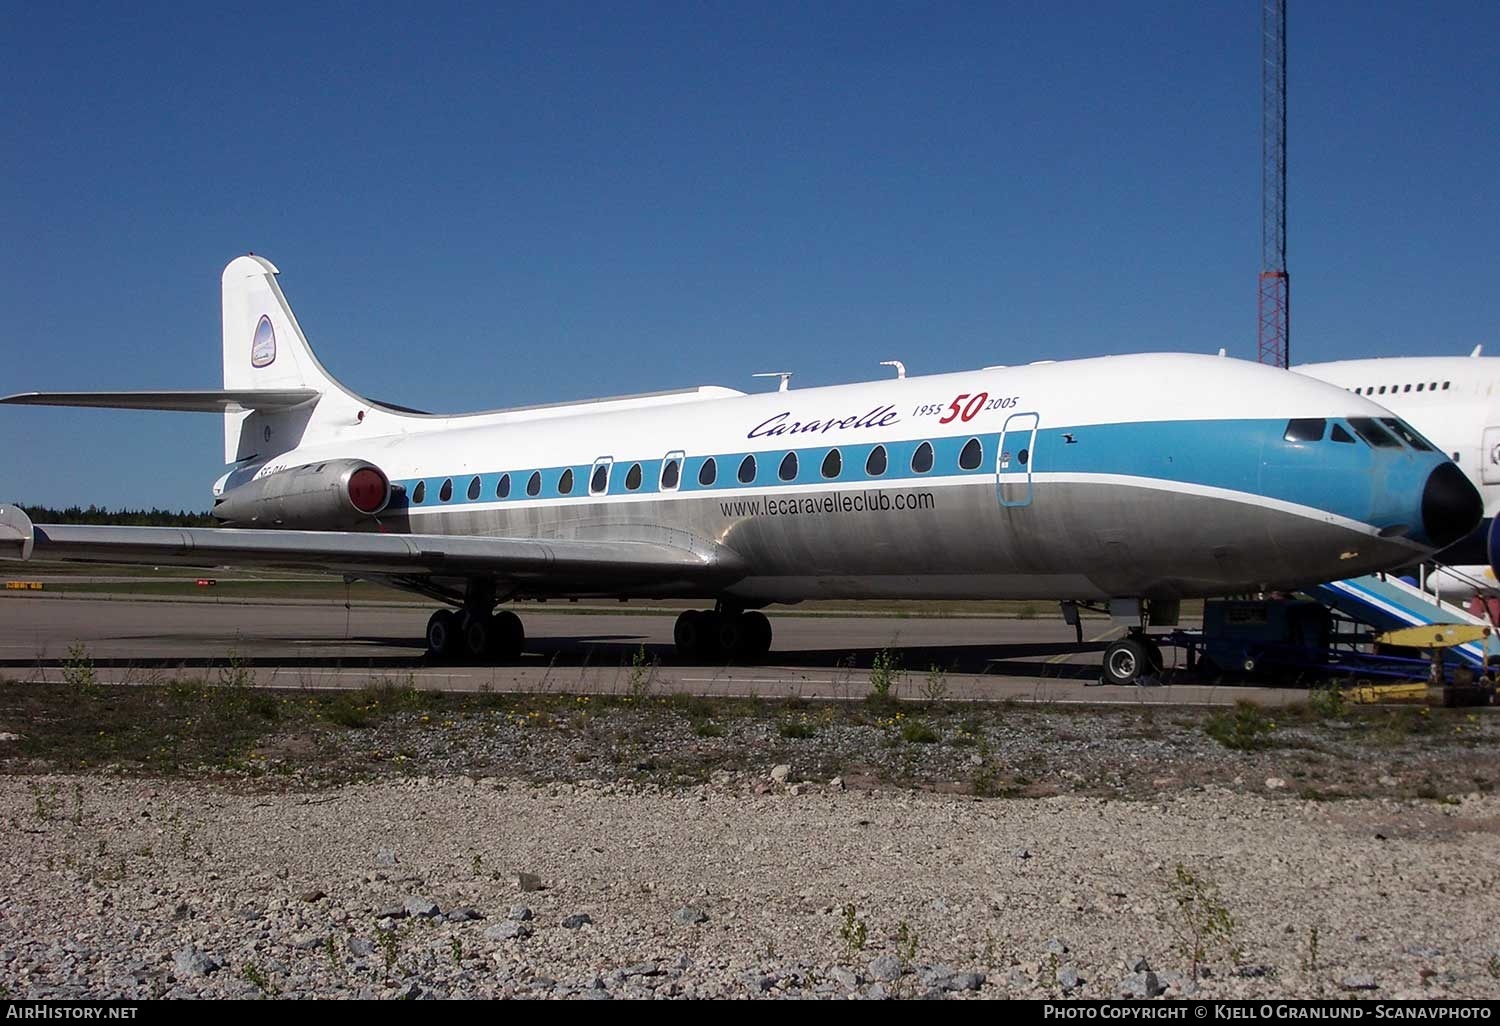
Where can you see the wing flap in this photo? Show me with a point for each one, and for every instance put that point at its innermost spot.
(205, 401)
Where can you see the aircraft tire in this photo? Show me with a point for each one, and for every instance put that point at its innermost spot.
(758, 632)
(740, 637)
(687, 633)
(442, 634)
(508, 636)
(709, 640)
(1124, 662)
(479, 636)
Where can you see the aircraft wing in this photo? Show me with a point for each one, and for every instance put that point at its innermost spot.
(541, 564)
(210, 401)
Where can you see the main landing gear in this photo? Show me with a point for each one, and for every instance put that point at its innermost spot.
(475, 634)
(721, 633)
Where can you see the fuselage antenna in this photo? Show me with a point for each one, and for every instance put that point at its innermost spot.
(785, 377)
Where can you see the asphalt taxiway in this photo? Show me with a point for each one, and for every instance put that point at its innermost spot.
(292, 643)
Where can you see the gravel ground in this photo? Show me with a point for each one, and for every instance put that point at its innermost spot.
(743, 886)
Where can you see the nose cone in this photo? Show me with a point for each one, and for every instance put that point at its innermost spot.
(1451, 506)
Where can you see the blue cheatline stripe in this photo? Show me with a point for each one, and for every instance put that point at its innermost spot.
(1248, 456)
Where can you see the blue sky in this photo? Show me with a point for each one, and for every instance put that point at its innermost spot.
(475, 207)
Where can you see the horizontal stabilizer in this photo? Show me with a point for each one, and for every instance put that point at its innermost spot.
(213, 401)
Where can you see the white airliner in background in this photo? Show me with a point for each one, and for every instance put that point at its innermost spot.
(1455, 401)
(1130, 480)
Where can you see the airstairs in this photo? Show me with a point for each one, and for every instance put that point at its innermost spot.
(1385, 602)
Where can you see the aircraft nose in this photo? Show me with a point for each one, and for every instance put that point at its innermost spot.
(1451, 506)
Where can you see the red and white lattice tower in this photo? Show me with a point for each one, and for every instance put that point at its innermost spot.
(1275, 283)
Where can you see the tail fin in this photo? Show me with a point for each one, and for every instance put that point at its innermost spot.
(264, 349)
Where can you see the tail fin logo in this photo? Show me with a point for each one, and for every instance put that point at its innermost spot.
(263, 346)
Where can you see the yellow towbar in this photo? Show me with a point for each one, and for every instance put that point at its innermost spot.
(1465, 688)
(1435, 635)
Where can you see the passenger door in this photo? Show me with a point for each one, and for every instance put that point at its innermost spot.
(1016, 459)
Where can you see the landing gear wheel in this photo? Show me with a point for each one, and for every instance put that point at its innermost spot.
(509, 636)
(758, 631)
(687, 633)
(479, 636)
(708, 638)
(696, 634)
(745, 638)
(1124, 662)
(442, 634)
(1154, 657)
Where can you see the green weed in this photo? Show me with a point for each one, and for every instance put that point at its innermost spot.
(1244, 729)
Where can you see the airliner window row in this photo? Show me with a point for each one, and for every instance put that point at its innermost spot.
(1421, 386)
(668, 472)
(674, 470)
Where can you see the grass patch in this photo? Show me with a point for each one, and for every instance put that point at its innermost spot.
(797, 729)
(917, 732)
(1245, 728)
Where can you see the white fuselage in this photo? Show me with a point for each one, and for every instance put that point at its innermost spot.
(1159, 475)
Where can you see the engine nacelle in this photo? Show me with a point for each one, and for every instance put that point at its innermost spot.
(325, 496)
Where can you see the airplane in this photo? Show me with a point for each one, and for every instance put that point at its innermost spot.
(1454, 401)
(1136, 481)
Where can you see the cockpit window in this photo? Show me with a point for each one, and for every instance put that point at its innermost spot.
(1341, 434)
(1373, 433)
(1406, 434)
(1307, 429)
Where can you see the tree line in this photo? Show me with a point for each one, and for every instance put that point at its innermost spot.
(100, 516)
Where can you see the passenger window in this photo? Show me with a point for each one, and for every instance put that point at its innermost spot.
(921, 460)
(599, 481)
(671, 474)
(419, 494)
(565, 482)
(1421, 385)
(1309, 429)
(1406, 389)
(502, 487)
(534, 483)
(1382, 390)
(747, 470)
(833, 464)
(1373, 433)
(972, 455)
(1446, 384)
(1338, 434)
(708, 473)
(875, 464)
(473, 491)
(633, 477)
(788, 469)
(1406, 434)
(446, 492)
